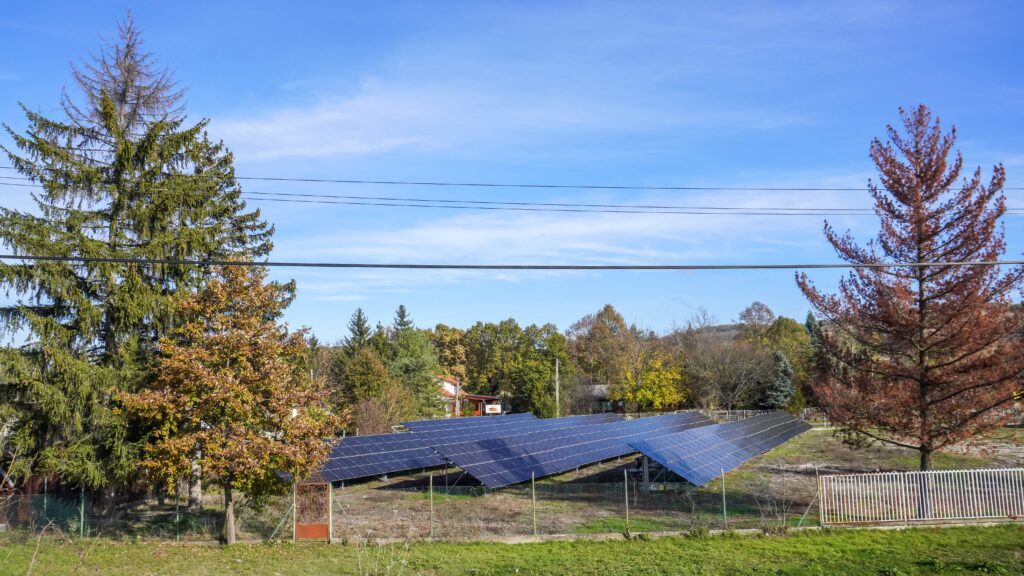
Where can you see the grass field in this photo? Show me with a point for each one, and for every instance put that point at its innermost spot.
(976, 550)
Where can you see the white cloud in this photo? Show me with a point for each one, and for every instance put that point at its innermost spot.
(382, 117)
(544, 238)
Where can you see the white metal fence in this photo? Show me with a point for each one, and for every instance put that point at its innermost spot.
(938, 495)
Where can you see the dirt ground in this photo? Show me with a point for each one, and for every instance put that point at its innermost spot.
(774, 490)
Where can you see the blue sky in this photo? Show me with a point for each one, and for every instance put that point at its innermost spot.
(644, 93)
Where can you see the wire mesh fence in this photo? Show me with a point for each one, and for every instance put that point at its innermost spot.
(427, 506)
(86, 515)
(435, 506)
(543, 508)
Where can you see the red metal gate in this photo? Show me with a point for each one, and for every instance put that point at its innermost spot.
(313, 511)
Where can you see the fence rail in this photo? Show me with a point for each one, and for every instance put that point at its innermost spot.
(937, 495)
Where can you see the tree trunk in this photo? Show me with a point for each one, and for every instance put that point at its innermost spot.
(924, 504)
(229, 516)
(926, 458)
(195, 487)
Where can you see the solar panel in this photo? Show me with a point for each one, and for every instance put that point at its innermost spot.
(379, 454)
(498, 462)
(703, 454)
(470, 422)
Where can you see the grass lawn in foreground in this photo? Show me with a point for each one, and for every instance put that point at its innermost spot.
(975, 550)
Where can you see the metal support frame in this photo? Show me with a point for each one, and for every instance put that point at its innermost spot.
(81, 512)
(625, 491)
(725, 515)
(533, 496)
(330, 512)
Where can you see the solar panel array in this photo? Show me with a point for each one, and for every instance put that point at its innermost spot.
(702, 454)
(498, 462)
(380, 454)
(463, 423)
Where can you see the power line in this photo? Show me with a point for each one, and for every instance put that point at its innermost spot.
(734, 211)
(553, 205)
(543, 204)
(730, 212)
(552, 186)
(517, 206)
(608, 267)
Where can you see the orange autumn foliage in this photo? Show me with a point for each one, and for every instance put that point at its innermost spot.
(231, 392)
(922, 356)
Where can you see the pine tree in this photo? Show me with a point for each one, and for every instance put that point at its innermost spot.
(402, 319)
(359, 332)
(121, 176)
(922, 356)
(779, 389)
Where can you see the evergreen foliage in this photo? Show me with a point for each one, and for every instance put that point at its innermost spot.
(359, 332)
(923, 356)
(121, 176)
(414, 363)
(779, 389)
(402, 318)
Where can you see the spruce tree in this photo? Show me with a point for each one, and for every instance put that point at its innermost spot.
(402, 318)
(779, 388)
(121, 176)
(921, 351)
(359, 332)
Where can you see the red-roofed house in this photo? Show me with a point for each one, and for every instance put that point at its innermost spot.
(458, 402)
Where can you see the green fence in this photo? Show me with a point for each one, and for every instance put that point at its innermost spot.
(85, 515)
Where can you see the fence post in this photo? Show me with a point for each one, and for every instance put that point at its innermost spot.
(431, 488)
(81, 511)
(821, 508)
(330, 512)
(625, 491)
(46, 513)
(533, 496)
(295, 514)
(725, 515)
(177, 512)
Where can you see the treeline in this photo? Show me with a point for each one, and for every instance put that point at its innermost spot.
(129, 367)
(389, 373)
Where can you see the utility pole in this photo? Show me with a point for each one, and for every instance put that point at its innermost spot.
(558, 405)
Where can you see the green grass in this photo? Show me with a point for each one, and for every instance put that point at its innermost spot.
(940, 461)
(825, 446)
(618, 525)
(995, 550)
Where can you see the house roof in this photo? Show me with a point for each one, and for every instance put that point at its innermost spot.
(458, 386)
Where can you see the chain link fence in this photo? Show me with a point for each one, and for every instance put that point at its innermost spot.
(84, 515)
(441, 506)
(456, 512)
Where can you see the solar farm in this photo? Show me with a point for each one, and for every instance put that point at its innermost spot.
(505, 450)
(517, 474)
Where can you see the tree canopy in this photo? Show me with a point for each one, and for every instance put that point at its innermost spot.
(121, 176)
(928, 355)
(232, 392)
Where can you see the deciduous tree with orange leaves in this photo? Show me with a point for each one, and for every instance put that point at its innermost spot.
(231, 391)
(927, 355)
